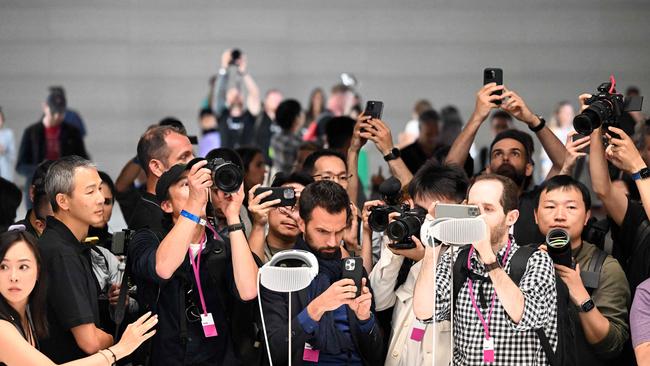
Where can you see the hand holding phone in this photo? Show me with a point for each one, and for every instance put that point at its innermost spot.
(286, 195)
(493, 75)
(352, 267)
(374, 109)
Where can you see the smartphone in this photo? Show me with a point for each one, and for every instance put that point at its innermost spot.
(456, 211)
(493, 75)
(352, 267)
(374, 108)
(286, 195)
(578, 136)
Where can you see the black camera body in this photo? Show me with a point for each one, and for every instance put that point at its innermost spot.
(405, 226)
(605, 107)
(378, 218)
(226, 176)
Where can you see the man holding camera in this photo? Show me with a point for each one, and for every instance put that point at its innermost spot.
(282, 221)
(597, 285)
(236, 119)
(495, 318)
(393, 277)
(330, 324)
(193, 277)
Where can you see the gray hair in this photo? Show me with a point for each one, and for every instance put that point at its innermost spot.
(60, 177)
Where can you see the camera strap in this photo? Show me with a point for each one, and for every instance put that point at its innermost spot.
(120, 308)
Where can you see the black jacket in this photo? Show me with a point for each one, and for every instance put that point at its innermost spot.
(32, 146)
(275, 308)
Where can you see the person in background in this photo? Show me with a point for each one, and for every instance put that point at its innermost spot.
(102, 231)
(412, 129)
(35, 219)
(560, 124)
(290, 118)
(424, 147)
(23, 321)
(316, 105)
(452, 123)
(72, 117)
(236, 117)
(7, 150)
(10, 197)
(254, 166)
(210, 137)
(265, 129)
(304, 150)
(499, 122)
(339, 103)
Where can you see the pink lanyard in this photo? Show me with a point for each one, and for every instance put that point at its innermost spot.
(195, 268)
(486, 324)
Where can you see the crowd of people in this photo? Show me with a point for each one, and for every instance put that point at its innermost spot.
(179, 285)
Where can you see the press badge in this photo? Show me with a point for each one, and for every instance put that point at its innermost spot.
(209, 329)
(417, 333)
(488, 350)
(310, 354)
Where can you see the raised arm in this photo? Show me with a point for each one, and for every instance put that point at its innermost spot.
(128, 175)
(219, 103)
(378, 132)
(516, 106)
(253, 101)
(353, 159)
(485, 102)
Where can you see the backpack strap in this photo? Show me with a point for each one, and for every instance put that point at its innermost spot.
(641, 234)
(460, 272)
(591, 276)
(519, 262)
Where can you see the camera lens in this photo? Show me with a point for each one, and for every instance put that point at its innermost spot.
(403, 228)
(593, 117)
(378, 219)
(227, 177)
(559, 248)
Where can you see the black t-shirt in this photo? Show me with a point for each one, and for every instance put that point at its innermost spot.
(236, 131)
(28, 224)
(526, 230)
(220, 293)
(147, 214)
(71, 293)
(263, 133)
(634, 256)
(414, 157)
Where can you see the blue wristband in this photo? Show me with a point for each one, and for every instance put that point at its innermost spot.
(193, 217)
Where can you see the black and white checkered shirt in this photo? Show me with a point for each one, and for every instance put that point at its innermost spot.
(514, 344)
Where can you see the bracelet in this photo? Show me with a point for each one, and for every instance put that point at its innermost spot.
(235, 227)
(193, 217)
(106, 357)
(114, 358)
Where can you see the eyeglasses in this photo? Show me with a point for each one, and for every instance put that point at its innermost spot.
(336, 178)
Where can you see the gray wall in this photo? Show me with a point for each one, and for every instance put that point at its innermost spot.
(127, 63)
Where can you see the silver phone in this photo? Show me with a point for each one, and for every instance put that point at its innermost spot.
(447, 210)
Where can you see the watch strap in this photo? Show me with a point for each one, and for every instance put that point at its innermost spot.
(235, 227)
(392, 155)
(492, 266)
(540, 126)
(587, 305)
(641, 174)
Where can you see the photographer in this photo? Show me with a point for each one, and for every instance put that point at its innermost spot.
(511, 151)
(282, 222)
(35, 218)
(518, 308)
(393, 277)
(601, 326)
(326, 315)
(209, 274)
(631, 218)
(236, 120)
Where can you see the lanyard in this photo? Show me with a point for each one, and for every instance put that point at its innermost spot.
(484, 322)
(195, 268)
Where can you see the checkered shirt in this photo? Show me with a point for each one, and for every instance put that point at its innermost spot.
(514, 344)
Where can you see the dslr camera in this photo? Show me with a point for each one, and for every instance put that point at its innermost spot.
(405, 226)
(391, 193)
(605, 107)
(226, 176)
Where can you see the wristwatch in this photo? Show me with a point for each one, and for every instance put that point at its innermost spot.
(542, 123)
(235, 227)
(587, 306)
(641, 174)
(492, 266)
(393, 154)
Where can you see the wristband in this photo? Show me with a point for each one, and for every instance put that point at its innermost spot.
(106, 357)
(114, 358)
(192, 217)
(540, 126)
(235, 227)
(641, 174)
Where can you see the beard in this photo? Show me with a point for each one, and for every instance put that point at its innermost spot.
(497, 233)
(326, 253)
(509, 171)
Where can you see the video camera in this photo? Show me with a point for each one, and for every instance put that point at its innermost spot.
(605, 107)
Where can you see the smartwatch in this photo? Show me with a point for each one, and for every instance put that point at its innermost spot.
(587, 306)
(641, 174)
(540, 126)
(393, 154)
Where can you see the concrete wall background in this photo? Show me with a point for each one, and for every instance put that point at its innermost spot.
(127, 63)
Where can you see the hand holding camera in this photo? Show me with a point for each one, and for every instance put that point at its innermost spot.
(622, 153)
(199, 179)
